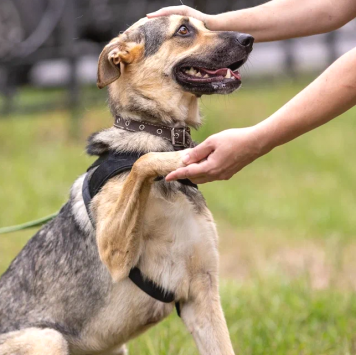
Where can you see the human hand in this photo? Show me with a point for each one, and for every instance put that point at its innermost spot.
(184, 11)
(220, 156)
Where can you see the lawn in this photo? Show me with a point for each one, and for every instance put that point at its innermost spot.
(287, 222)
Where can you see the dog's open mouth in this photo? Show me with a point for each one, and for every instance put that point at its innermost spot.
(202, 75)
(200, 79)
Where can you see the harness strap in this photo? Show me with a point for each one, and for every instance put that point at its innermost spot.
(107, 166)
(150, 287)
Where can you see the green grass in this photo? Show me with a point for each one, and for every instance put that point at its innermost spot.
(269, 317)
(287, 222)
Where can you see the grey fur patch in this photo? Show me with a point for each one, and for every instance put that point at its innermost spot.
(155, 33)
(57, 281)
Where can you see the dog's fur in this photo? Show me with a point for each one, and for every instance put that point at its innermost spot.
(68, 290)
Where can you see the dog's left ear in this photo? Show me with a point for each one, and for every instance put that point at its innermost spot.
(116, 52)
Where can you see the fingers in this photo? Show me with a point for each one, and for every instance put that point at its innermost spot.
(194, 171)
(170, 10)
(199, 165)
(199, 153)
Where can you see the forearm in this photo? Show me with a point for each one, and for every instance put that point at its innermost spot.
(330, 95)
(282, 19)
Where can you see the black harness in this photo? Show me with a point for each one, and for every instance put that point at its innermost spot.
(107, 166)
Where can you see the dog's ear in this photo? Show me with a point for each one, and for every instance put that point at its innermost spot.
(116, 52)
(109, 65)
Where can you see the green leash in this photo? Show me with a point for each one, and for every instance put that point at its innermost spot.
(31, 224)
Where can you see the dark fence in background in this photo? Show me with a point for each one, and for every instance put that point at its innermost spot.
(35, 30)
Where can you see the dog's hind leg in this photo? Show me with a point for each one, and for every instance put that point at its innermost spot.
(33, 341)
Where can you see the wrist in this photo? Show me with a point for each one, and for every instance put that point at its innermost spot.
(264, 137)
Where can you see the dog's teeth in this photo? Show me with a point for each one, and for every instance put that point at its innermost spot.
(199, 74)
(228, 75)
(206, 76)
(191, 71)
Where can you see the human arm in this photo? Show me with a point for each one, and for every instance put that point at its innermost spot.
(277, 19)
(330, 95)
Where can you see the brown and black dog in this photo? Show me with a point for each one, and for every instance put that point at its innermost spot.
(69, 291)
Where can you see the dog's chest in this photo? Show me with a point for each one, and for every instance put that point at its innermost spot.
(175, 231)
(172, 231)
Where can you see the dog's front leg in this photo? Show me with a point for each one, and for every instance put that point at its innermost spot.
(120, 210)
(203, 316)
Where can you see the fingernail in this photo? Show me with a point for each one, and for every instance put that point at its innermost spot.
(186, 159)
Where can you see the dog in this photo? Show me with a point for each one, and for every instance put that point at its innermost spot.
(72, 289)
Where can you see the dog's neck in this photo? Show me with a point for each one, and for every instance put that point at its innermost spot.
(128, 102)
(181, 109)
(118, 141)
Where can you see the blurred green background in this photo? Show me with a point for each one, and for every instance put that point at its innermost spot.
(287, 222)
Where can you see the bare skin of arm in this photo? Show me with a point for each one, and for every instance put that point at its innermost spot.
(277, 19)
(222, 155)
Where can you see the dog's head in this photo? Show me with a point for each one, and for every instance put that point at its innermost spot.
(169, 58)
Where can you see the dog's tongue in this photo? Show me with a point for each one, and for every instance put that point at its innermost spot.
(221, 72)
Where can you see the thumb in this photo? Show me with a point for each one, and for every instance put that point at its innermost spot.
(200, 152)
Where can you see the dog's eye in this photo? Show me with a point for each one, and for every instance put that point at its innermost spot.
(183, 31)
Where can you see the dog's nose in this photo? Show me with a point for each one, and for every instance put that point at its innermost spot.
(246, 40)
